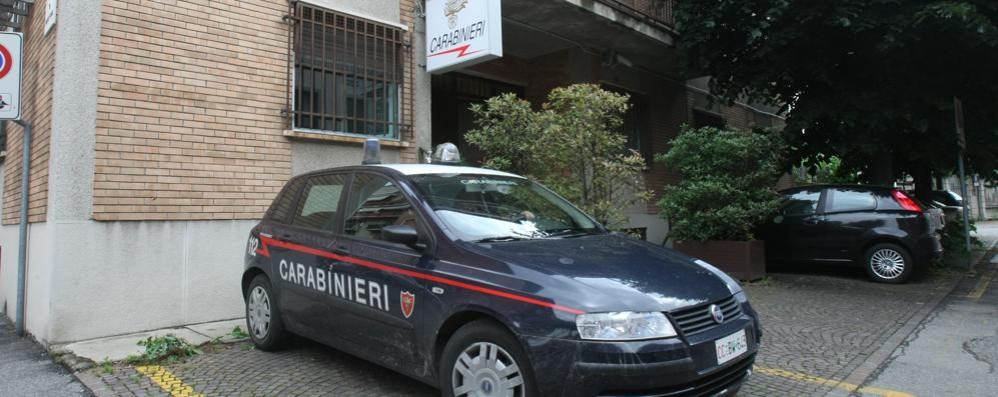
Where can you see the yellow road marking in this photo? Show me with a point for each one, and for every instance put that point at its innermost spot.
(802, 377)
(982, 285)
(166, 380)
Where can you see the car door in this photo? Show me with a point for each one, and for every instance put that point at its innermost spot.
(794, 233)
(849, 214)
(305, 275)
(383, 302)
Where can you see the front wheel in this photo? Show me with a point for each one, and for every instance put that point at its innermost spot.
(888, 263)
(483, 359)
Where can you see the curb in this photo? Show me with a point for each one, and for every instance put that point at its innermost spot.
(93, 384)
(861, 375)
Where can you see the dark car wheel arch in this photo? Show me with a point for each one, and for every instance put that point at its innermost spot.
(460, 319)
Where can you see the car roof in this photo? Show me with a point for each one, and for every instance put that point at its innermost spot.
(426, 169)
(872, 188)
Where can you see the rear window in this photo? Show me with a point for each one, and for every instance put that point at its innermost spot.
(842, 200)
(285, 203)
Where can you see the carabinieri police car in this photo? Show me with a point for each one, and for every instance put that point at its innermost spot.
(484, 283)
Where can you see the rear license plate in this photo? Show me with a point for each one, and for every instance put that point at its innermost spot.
(730, 346)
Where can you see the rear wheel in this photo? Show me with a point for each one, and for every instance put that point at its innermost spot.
(483, 359)
(888, 263)
(263, 316)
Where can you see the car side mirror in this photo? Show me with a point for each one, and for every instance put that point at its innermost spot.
(400, 234)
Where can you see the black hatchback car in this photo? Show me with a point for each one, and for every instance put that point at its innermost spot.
(880, 228)
(483, 283)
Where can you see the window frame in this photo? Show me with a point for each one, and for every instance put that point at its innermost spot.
(830, 201)
(338, 225)
(422, 221)
(393, 42)
(819, 206)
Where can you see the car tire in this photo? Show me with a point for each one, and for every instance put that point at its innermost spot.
(263, 315)
(888, 263)
(472, 344)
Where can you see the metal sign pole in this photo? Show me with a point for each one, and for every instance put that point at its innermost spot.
(963, 192)
(961, 142)
(22, 245)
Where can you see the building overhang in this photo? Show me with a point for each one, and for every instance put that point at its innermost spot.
(609, 28)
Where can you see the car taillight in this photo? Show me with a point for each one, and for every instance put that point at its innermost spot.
(906, 202)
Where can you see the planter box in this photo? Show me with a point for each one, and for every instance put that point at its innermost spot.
(743, 260)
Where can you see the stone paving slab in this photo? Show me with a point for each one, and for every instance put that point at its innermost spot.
(117, 348)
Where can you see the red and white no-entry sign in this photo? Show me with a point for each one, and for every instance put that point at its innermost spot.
(10, 75)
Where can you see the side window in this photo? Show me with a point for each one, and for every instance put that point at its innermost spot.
(851, 200)
(802, 203)
(320, 201)
(375, 202)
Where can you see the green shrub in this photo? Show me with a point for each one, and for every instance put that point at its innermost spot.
(168, 347)
(728, 184)
(573, 145)
(954, 244)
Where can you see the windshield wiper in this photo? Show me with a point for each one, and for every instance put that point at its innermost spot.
(567, 233)
(498, 239)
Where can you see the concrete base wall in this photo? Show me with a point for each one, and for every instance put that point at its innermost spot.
(93, 279)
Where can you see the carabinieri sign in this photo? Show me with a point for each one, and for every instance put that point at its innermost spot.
(461, 33)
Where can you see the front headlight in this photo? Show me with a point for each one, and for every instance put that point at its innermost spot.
(624, 326)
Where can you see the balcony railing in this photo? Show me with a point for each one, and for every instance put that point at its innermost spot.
(658, 12)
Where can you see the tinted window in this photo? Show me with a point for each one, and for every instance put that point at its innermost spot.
(284, 204)
(320, 201)
(851, 200)
(375, 202)
(804, 202)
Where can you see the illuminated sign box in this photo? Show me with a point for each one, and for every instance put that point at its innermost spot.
(461, 33)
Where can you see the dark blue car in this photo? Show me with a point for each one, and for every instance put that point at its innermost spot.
(483, 283)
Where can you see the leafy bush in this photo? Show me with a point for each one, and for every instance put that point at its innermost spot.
(573, 145)
(728, 184)
(168, 347)
(954, 245)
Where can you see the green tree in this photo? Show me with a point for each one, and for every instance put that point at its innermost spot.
(871, 81)
(728, 184)
(573, 144)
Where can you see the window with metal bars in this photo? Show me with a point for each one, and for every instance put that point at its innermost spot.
(347, 74)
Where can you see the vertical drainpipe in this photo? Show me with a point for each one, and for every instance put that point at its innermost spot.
(22, 244)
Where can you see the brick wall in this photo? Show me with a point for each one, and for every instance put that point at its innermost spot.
(189, 121)
(36, 108)
(407, 14)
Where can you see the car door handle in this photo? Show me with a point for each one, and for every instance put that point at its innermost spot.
(811, 221)
(341, 251)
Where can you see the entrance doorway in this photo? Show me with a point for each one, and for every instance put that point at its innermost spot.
(453, 95)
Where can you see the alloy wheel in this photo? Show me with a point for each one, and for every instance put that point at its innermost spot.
(887, 263)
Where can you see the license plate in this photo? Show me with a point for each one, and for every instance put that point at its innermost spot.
(730, 346)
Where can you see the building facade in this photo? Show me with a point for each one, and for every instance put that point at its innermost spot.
(163, 129)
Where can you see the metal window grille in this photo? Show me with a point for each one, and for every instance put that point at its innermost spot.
(348, 75)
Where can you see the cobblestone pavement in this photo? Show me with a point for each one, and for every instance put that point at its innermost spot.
(820, 324)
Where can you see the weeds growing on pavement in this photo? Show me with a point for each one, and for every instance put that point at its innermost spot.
(167, 348)
(107, 366)
(238, 333)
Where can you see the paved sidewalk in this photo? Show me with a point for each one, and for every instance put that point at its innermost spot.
(27, 370)
(955, 351)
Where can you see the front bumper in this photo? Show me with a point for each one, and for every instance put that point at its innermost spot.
(671, 367)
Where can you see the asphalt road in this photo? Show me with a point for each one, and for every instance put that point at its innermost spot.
(26, 369)
(955, 351)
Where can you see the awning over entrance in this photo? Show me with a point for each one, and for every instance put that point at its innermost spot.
(634, 32)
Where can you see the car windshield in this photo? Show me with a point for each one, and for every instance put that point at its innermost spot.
(486, 208)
